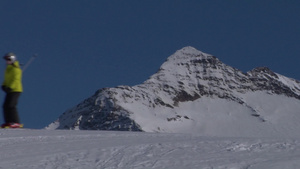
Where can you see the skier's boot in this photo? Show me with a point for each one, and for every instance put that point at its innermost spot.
(12, 125)
(4, 125)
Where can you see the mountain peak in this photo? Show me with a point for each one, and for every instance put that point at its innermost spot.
(189, 54)
(192, 91)
(189, 51)
(188, 60)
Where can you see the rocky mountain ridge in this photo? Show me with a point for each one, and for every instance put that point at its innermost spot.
(187, 76)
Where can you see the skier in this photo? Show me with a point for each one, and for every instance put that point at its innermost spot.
(12, 86)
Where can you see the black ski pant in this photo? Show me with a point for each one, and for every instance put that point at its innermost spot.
(10, 107)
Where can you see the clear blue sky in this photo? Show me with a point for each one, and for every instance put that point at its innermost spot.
(85, 45)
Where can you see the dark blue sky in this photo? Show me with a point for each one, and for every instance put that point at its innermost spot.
(85, 45)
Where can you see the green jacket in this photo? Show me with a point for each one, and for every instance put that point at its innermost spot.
(13, 77)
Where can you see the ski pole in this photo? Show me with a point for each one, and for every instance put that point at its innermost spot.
(29, 62)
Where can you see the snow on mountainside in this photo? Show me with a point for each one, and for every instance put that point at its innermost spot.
(194, 92)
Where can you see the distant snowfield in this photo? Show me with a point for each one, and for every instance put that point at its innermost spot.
(62, 149)
(262, 114)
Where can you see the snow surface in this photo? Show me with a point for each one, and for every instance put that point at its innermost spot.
(64, 149)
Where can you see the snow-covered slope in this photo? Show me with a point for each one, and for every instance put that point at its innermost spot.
(194, 92)
(64, 149)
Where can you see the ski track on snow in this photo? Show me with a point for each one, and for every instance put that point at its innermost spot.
(36, 149)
